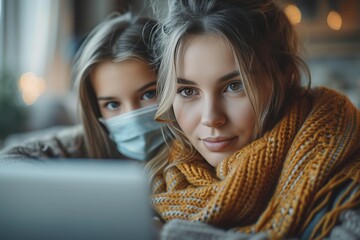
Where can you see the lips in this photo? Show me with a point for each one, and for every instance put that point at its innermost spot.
(218, 144)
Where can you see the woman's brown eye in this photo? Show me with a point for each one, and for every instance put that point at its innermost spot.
(234, 87)
(188, 92)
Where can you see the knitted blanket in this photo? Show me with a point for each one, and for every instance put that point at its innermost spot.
(277, 183)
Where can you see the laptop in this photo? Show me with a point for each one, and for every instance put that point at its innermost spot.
(75, 200)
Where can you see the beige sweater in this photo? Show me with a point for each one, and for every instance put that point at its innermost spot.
(68, 143)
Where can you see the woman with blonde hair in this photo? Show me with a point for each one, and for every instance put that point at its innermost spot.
(116, 82)
(251, 149)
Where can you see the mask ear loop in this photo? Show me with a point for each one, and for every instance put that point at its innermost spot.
(101, 120)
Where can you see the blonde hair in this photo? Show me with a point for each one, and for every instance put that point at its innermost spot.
(263, 40)
(118, 38)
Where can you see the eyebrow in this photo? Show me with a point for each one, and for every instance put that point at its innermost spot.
(226, 77)
(107, 98)
(146, 86)
(229, 76)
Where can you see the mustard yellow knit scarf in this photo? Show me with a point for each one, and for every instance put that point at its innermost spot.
(277, 183)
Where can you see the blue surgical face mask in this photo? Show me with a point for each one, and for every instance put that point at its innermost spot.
(136, 134)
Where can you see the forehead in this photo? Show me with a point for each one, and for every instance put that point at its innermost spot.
(120, 78)
(205, 56)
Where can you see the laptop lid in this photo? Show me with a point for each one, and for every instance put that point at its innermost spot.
(75, 200)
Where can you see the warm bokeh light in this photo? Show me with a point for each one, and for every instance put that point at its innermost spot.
(293, 13)
(334, 20)
(31, 87)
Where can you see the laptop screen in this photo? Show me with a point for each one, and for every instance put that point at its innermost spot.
(75, 200)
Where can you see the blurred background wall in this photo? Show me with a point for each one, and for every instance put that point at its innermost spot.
(38, 39)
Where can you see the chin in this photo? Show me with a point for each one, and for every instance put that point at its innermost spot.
(215, 160)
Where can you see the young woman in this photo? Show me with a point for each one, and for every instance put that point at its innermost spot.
(252, 150)
(116, 83)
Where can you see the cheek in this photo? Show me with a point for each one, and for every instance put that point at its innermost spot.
(244, 118)
(104, 114)
(187, 115)
(148, 103)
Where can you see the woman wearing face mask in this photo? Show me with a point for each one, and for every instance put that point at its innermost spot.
(252, 150)
(116, 85)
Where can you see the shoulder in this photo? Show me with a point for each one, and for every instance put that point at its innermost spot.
(343, 207)
(67, 143)
(348, 227)
(177, 229)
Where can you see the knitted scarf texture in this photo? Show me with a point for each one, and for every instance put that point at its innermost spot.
(277, 183)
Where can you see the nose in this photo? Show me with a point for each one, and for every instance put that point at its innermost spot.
(213, 114)
(130, 106)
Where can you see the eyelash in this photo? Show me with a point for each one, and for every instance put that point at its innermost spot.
(182, 89)
(106, 105)
(240, 84)
(195, 92)
(153, 91)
